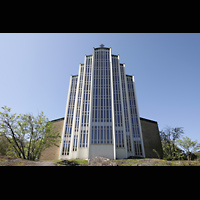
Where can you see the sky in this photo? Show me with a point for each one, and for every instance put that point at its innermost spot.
(35, 71)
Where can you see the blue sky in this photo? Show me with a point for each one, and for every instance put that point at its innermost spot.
(36, 69)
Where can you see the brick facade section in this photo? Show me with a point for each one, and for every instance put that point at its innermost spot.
(52, 153)
(151, 139)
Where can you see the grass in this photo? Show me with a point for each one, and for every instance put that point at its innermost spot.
(139, 162)
(5, 161)
(77, 161)
(9, 161)
(155, 162)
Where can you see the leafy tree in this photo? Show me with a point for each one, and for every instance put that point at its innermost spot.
(168, 139)
(188, 146)
(27, 135)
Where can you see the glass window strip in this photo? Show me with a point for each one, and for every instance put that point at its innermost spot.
(69, 120)
(101, 98)
(134, 117)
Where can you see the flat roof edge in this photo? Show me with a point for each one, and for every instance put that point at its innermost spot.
(149, 120)
(59, 119)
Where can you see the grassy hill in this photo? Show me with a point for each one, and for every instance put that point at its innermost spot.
(155, 162)
(10, 161)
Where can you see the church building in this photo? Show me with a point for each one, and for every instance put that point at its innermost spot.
(102, 116)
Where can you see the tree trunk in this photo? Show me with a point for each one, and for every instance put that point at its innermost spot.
(29, 147)
(17, 152)
(13, 136)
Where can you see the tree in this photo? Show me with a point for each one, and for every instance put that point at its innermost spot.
(188, 146)
(27, 135)
(3, 145)
(168, 139)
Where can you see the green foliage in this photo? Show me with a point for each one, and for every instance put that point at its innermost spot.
(26, 135)
(168, 139)
(188, 146)
(154, 150)
(3, 146)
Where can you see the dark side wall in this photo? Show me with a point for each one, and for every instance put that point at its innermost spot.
(151, 138)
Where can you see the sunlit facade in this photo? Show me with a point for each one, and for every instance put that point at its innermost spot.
(101, 117)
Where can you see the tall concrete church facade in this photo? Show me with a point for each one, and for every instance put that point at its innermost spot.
(102, 116)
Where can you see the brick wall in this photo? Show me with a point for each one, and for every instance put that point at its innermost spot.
(52, 153)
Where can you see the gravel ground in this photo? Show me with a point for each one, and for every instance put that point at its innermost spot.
(41, 164)
(101, 161)
(11, 161)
